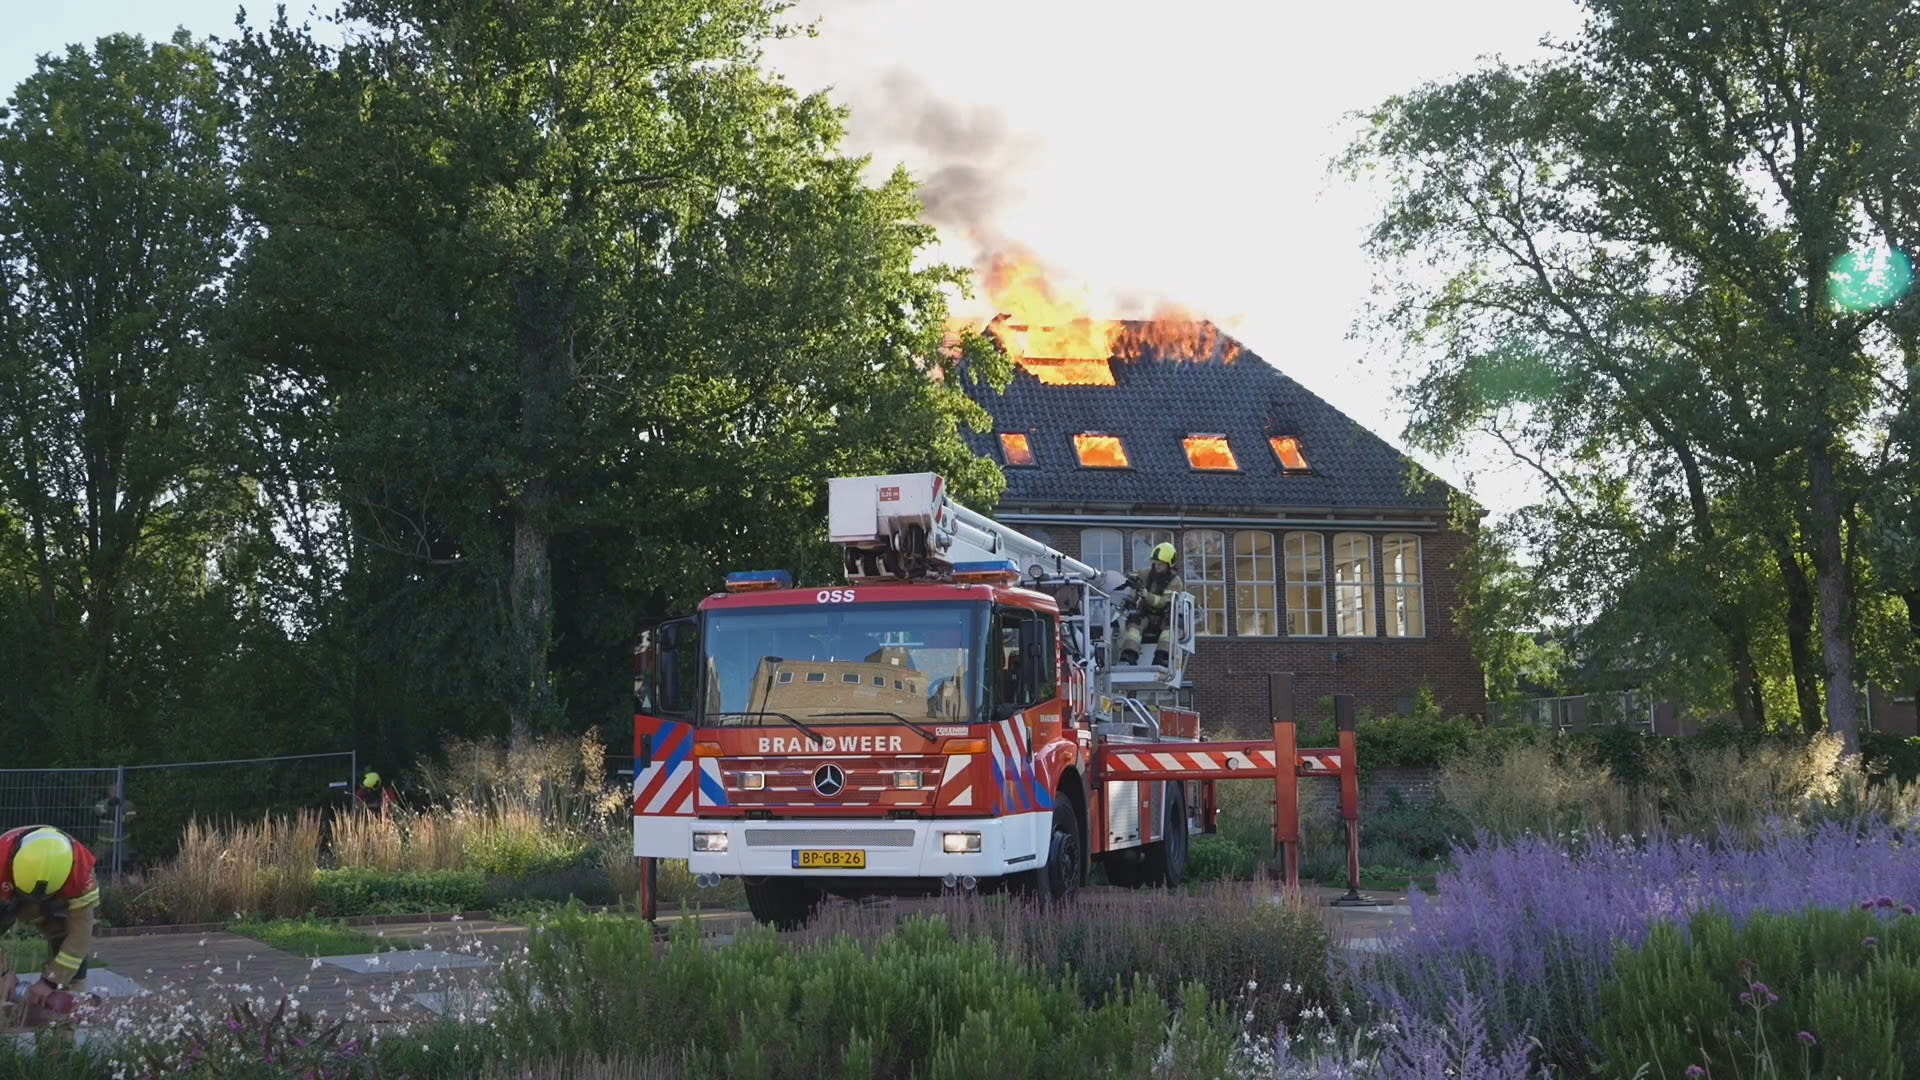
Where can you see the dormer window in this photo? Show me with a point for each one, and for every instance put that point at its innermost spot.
(1287, 449)
(1097, 451)
(1210, 452)
(1016, 449)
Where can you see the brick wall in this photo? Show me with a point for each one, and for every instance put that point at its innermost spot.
(1382, 673)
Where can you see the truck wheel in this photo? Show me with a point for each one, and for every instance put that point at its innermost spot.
(1066, 858)
(1066, 864)
(1164, 862)
(782, 904)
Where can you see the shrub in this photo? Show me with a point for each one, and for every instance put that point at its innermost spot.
(1224, 937)
(1539, 789)
(1740, 784)
(1735, 999)
(919, 1001)
(1426, 831)
(1891, 756)
(369, 892)
(1532, 930)
(1215, 857)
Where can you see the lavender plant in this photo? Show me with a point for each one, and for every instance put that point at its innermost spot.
(1533, 930)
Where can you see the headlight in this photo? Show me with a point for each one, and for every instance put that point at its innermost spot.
(710, 842)
(753, 781)
(960, 843)
(906, 779)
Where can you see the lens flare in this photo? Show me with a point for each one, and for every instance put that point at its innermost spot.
(1870, 278)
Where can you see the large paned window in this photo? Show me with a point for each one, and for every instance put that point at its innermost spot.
(1306, 585)
(1203, 560)
(1102, 549)
(1406, 614)
(1143, 542)
(1256, 613)
(1353, 584)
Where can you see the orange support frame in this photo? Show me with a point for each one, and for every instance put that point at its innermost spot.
(1211, 762)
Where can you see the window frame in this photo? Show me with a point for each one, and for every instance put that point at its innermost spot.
(1119, 547)
(1306, 464)
(1364, 587)
(1193, 558)
(1233, 459)
(1140, 545)
(1271, 583)
(1037, 688)
(1026, 444)
(1080, 457)
(1307, 585)
(1399, 593)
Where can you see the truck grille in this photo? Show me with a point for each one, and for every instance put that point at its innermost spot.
(881, 838)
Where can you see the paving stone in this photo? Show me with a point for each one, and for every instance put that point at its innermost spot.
(406, 960)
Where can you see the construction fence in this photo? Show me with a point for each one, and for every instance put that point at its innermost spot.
(133, 815)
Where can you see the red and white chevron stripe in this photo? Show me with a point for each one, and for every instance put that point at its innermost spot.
(1133, 764)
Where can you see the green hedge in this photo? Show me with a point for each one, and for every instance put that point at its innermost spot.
(1821, 993)
(374, 892)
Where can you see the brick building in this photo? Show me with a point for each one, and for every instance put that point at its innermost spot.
(1304, 538)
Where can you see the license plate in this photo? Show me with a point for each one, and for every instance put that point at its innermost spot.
(829, 860)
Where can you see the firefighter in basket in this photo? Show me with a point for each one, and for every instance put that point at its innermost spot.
(47, 882)
(1152, 604)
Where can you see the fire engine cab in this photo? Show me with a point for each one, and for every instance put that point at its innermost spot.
(949, 717)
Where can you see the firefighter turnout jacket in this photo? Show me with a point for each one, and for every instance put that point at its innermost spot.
(64, 918)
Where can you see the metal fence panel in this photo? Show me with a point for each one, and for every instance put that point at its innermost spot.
(160, 799)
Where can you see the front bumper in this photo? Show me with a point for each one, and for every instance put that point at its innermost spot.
(894, 849)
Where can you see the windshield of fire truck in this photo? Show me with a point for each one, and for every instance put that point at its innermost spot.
(877, 661)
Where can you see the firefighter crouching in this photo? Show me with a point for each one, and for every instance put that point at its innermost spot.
(1153, 603)
(47, 882)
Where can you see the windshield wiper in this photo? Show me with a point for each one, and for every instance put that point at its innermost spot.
(917, 729)
(811, 734)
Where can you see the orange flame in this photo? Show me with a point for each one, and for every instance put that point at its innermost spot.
(1050, 332)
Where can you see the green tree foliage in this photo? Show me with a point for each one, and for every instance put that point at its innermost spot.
(1622, 262)
(575, 308)
(117, 514)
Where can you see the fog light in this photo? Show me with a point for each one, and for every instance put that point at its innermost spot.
(906, 779)
(711, 842)
(753, 781)
(960, 843)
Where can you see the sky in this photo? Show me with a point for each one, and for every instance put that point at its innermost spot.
(1143, 156)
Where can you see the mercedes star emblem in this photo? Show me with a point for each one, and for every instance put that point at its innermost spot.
(828, 780)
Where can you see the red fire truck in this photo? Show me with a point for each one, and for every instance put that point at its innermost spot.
(949, 718)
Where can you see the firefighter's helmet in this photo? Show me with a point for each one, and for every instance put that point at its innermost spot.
(42, 862)
(371, 781)
(1164, 552)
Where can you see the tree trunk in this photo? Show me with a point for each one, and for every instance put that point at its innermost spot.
(530, 593)
(1800, 615)
(1830, 574)
(541, 317)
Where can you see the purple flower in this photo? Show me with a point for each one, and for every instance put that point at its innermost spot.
(1866, 905)
(1871, 943)
(1906, 909)
(1806, 1038)
(1758, 988)
(1885, 901)
(1696, 1071)
(1746, 999)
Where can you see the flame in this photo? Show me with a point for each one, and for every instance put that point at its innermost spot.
(1050, 333)
(1210, 452)
(1097, 451)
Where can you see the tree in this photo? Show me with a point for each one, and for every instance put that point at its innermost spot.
(1636, 244)
(579, 308)
(115, 219)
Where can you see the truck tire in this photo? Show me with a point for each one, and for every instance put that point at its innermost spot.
(1066, 867)
(782, 903)
(1164, 862)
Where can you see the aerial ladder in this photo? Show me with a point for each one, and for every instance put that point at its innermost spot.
(908, 527)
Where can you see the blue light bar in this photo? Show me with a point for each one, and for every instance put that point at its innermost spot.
(986, 571)
(756, 580)
(986, 566)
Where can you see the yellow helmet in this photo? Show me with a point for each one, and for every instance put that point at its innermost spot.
(370, 781)
(42, 862)
(1163, 552)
